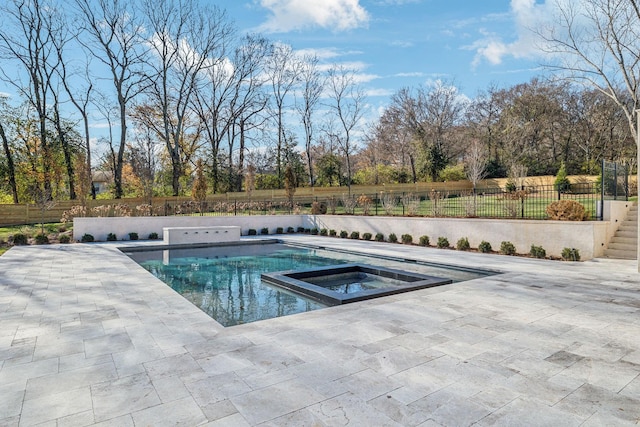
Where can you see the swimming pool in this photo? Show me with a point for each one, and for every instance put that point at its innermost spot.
(225, 281)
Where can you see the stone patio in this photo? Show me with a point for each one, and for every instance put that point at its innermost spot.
(88, 337)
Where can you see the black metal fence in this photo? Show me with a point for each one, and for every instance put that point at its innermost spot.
(525, 202)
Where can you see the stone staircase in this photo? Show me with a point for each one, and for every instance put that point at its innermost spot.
(624, 244)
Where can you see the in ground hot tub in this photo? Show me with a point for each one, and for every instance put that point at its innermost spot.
(345, 283)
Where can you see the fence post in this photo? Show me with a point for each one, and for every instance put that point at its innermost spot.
(235, 207)
(615, 181)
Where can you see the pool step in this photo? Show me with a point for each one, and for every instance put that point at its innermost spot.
(624, 244)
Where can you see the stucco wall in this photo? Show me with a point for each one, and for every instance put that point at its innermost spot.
(122, 226)
(589, 237)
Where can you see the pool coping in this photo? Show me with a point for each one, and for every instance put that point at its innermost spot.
(293, 280)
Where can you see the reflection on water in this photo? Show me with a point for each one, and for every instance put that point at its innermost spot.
(225, 281)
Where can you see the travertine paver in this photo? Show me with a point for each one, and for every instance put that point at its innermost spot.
(87, 337)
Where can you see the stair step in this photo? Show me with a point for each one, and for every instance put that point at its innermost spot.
(618, 254)
(623, 246)
(626, 227)
(627, 234)
(624, 240)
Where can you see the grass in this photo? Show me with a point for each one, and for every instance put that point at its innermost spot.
(30, 230)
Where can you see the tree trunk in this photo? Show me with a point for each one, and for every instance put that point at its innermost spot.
(10, 165)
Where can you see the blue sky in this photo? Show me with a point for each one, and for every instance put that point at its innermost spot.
(398, 43)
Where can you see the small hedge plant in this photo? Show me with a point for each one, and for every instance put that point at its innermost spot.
(87, 238)
(279, 230)
(366, 236)
(443, 242)
(407, 239)
(324, 232)
(424, 241)
(344, 234)
(41, 239)
(20, 239)
(314, 231)
(64, 238)
(463, 244)
(484, 247)
(570, 254)
(264, 231)
(300, 229)
(252, 232)
(111, 237)
(332, 233)
(379, 237)
(393, 238)
(153, 236)
(133, 236)
(537, 251)
(290, 230)
(355, 235)
(507, 248)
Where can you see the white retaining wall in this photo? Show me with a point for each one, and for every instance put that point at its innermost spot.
(589, 237)
(99, 228)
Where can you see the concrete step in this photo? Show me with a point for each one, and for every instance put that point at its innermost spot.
(623, 246)
(631, 234)
(628, 228)
(624, 240)
(618, 254)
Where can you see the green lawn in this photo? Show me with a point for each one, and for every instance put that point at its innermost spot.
(51, 229)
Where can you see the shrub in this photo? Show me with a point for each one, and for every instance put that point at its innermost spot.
(463, 244)
(562, 183)
(332, 233)
(153, 236)
(537, 251)
(379, 237)
(252, 232)
(264, 231)
(300, 229)
(41, 239)
(133, 236)
(570, 254)
(507, 248)
(511, 186)
(290, 230)
(64, 238)
(443, 242)
(566, 210)
(484, 247)
(111, 237)
(62, 229)
(424, 240)
(344, 234)
(318, 208)
(355, 235)
(393, 238)
(407, 239)
(314, 231)
(19, 239)
(307, 231)
(323, 232)
(366, 236)
(279, 230)
(87, 238)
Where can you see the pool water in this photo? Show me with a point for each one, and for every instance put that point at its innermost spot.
(225, 281)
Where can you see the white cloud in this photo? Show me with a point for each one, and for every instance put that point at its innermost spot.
(335, 15)
(326, 52)
(525, 15)
(401, 43)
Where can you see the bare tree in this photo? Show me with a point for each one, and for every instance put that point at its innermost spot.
(186, 40)
(114, 37)
(475, 160)
(346, 103)
(312, 86)
(231, 98)
(283, 70)
(27, 37)
(8, 152)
